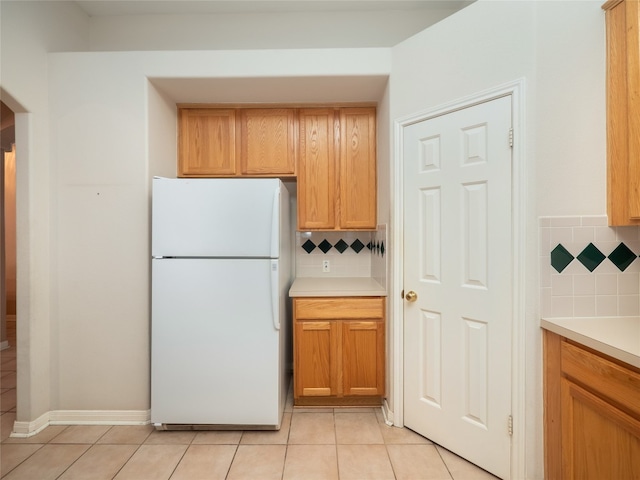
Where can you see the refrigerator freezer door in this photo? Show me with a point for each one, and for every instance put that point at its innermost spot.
(215, 349)
(217, 217)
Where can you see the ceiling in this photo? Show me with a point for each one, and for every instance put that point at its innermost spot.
(164, 25)
(95, 8)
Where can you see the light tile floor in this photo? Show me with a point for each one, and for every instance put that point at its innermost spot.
(313, 444)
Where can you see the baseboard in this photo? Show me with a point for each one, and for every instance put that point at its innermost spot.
(81, 417)
(29, 429)
(99, 417)
(387, 413)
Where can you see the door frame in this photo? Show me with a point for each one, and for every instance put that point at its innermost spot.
(516, 90)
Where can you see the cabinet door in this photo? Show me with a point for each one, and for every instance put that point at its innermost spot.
(316, 169)
(363, 360)
(206, 142)
(315, 359)
(598, 440)
(623, 111)
(357, 204)
(267, 141)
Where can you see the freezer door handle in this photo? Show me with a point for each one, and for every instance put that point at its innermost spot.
(275, 295)
(275, 225)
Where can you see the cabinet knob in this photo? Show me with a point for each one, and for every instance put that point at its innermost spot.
(411, 296)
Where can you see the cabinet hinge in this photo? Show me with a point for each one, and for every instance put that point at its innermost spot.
(510, 425)
(511, 137)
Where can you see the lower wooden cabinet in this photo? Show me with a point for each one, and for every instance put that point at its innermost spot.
(338, 350)
(592, 414)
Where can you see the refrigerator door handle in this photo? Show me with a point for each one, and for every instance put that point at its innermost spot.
(275, 296)
(275, 225)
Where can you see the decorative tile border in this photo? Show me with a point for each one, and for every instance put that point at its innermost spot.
(587, 268)
(591, 257)
(350, 253)
(357, 246)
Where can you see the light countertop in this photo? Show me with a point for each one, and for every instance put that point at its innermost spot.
(618, 337)
(336, 287)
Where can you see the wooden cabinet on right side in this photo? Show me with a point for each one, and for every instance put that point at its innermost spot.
(623, 111)
(337, 169)
(592, 414)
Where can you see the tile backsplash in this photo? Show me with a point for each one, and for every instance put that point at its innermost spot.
(350, 254)
(588, 269)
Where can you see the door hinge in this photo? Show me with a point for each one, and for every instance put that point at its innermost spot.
(510, 425)
(511, 137)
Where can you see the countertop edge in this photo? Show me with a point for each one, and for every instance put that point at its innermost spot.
(590, 341)
(336, 287)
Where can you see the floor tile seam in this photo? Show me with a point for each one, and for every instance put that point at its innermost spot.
(73, 463)
(443, 461)
(105, 432)
(180, 460)
(393, 468)
(125, 463)
(233, 458)
(27, 458)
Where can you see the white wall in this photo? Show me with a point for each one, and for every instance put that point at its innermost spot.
(29, 30)
(570, 104)
(558, 48)
(305, 28)
(111, 131)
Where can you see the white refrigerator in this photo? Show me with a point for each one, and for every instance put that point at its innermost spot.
(221, 270)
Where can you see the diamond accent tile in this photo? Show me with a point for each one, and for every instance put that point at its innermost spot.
(591, 257)
(560, 258)
(370, 246)
(622, 257)
(357, 246)
(309, 246)
(324, 246)
(341, 246)
(382, 249)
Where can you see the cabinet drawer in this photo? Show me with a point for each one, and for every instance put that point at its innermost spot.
(620, 384)
(339, 308)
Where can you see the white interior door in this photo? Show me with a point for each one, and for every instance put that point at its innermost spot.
(458, 260)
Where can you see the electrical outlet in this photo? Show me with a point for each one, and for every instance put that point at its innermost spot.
(326, 266)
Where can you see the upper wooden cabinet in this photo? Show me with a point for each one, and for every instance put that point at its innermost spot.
(318, 151)
(623, 111)
(253, 142)
(337, 169)
(206, 142)
(357, 200)
(267, 141)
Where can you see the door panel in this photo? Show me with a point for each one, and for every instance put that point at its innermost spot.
(457, 251)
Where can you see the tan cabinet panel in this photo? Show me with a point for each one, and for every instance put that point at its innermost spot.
(317, 169)
(267, 141)
(337, 187)
(357, 202)
(363, 362)
(599, 440)
(623, 111)
(591, 413)
(317, 356)
(339, 351)
(206, 142)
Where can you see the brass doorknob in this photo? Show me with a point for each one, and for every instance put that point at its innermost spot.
(411, 296)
